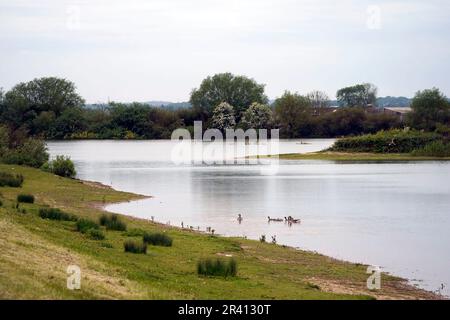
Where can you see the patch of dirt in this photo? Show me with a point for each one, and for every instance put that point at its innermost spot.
(224, 254)
(390, 290)
(97, 185)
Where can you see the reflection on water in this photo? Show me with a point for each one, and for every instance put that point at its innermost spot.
(395, 215)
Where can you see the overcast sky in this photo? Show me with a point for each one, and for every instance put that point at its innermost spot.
(143, 50)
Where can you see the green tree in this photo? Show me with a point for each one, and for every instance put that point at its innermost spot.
(360, 95)
(71, 121)
(257, 116)
(238, 91)
(43, 123)
(293, 113)
(223, 117)
(25, 101)
(429, 109)
(133, 117)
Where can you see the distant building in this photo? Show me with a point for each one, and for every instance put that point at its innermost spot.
(400, 112)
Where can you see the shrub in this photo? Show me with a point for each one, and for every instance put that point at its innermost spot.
(434, 149)
(112, 222)
(217, 267)
(84, 225)
(158, 239)
(10, 180)
(32, 152)
(96, 234)
(1, 203)
(61, 166)
(262, 238)
(56, 214)
(392, 141)
(135, 246)
(25, 198)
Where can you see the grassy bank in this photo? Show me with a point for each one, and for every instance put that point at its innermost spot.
(358, 156)
(36, 252)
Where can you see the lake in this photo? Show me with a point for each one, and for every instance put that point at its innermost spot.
(392, 215)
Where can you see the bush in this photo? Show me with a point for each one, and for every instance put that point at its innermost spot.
(112, 222)
(85, 225)
(135, 246)
(31, 153)
(217, 267)
(10, 180)
(96, 234)
(61, 166)
(393, 141)
(434, 149)
(25, 198)
(1, 203)
(158, 239)
(56, 214)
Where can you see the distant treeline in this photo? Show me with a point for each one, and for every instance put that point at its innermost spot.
(50, 108)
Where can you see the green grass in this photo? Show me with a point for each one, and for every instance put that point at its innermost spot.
(35, 254)
(135, 232)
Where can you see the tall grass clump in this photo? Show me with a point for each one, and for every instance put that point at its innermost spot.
(158, 239)
(112, 222)
(25, 198)
(85, 225)
(434, 149)
(96, 234)
(217, 267)
(135, 246)
(56, 214)
(10, 180)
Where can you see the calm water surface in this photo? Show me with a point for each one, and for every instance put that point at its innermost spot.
(394, 215)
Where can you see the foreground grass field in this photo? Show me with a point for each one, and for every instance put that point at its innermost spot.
(35, 254)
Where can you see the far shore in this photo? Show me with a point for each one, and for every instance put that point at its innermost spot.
(354, 156)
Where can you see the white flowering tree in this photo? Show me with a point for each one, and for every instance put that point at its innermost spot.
(257, 116)
(223, 116)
